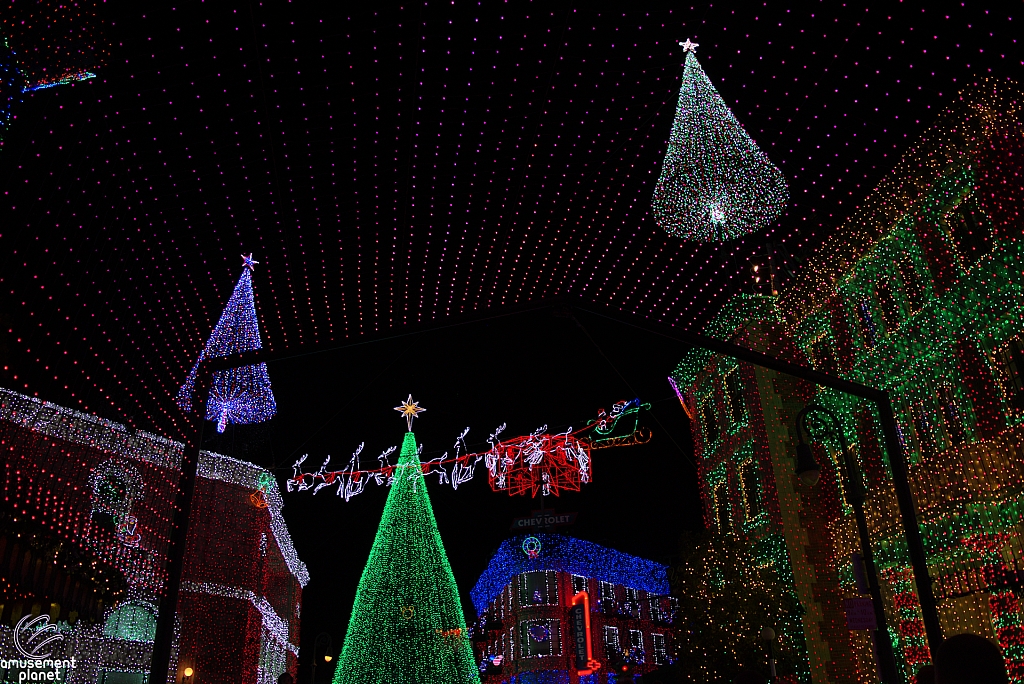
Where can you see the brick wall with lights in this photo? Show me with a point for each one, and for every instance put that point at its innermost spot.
(85, 518)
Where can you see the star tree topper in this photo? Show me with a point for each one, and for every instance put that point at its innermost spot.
(689, 47)
(410, 409)
(248, 262)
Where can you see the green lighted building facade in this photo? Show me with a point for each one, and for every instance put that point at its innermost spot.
(920, 292)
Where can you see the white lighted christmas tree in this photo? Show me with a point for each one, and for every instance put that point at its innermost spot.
(716, 183)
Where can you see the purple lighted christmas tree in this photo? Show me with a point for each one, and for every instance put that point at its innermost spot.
(240, 395)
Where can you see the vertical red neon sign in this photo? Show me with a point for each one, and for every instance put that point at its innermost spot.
(579, 616)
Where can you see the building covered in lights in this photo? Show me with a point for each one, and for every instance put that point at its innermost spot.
(86, 514)
(921, 293)
(524, 633)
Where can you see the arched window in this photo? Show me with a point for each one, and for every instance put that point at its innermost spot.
(131, 622)
(116, 486)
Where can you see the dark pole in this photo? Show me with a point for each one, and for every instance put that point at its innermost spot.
(164, 638)
(856, 495)
(321, 638)
(915, 545)
(893, 448)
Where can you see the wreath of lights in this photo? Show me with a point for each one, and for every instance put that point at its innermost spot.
(539, 632)
(531, 547)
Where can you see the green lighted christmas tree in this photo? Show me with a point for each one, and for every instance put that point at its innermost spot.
(407, 624)
(716, 183)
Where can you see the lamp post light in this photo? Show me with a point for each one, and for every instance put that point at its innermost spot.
(768, 636)
(186, 675)
(856, 494)
(322, 639)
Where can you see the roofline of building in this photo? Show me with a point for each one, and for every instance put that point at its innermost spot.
(567, 554)
(897, 192)
(74, 426)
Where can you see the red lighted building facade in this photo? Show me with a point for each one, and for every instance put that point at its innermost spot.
(524, 632)
(85, 516)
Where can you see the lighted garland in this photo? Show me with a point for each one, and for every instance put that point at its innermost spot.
(55, 43)
(715, 184)
(538, 463)
(9, 86)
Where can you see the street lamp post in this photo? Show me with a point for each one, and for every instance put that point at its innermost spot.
(856, 494)
(322, 639)
(768, 636)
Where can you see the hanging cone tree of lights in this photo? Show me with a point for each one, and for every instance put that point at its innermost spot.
(239, 395)
(407, 625)
(716, 183)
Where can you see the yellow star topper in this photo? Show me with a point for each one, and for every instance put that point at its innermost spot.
(410, 409)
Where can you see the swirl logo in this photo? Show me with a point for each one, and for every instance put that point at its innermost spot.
(39, 633)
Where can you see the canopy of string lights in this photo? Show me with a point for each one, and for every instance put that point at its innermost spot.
(398, 165)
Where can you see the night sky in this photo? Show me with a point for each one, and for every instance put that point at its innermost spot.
(396, 164)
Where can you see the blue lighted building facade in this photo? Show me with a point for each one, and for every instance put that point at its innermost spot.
(523, 598)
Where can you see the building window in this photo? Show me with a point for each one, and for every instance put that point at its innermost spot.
(579, 583)
(538, 589)
(660, 650)
(631, 607)
(822, 356)
(606, 591)
(707, 410)
(923, 426)
(734, 390)
(636, 645)
(116, 486)
(658, 612)
(611, 641)
(663, 609)
(867, 324)
(951, 415)
(971, 231)
(751, 488)
(540, 638)
(719, 499)
(901, 435)
(131, 621)
(911, 285)
(887, 305)
(1010, 364)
